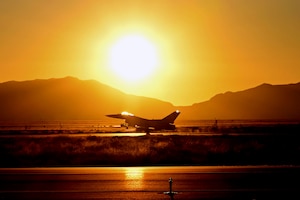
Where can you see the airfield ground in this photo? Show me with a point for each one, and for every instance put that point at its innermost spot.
(276, 144)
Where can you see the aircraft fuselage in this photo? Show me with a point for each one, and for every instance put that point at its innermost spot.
(166, 123)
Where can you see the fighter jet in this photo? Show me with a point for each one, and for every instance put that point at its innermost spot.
(148, 125)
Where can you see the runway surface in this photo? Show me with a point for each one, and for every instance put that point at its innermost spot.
(191, 182)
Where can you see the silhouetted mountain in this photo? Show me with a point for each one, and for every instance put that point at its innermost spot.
(71, 98)
(262, 102)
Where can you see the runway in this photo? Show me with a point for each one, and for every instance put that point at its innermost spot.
(191, 182)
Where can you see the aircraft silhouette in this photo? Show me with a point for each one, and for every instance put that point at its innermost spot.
(148, 125)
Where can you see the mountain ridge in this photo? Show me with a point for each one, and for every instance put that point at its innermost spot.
(72, 98)
(264, 101)
(68, 98)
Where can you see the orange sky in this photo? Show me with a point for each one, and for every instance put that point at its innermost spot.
(205, 47)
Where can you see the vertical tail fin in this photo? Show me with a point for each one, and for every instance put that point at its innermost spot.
(171, 118)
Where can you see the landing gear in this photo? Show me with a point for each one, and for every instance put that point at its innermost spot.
(125, 125)
(147, 132)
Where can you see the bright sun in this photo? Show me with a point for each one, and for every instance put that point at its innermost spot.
(133, 58)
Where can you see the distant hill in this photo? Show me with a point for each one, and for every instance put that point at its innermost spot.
(71, 98)
(262, 102)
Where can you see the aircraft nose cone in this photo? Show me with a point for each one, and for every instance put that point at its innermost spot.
(119, 116)
(113, 115)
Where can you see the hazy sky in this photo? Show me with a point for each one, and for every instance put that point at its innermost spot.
(204, 47)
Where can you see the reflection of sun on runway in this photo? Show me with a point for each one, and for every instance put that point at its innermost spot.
(134, 177)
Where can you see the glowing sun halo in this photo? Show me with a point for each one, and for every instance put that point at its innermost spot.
(133, 58)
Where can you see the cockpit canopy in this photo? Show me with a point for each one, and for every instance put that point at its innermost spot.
(127, 113)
